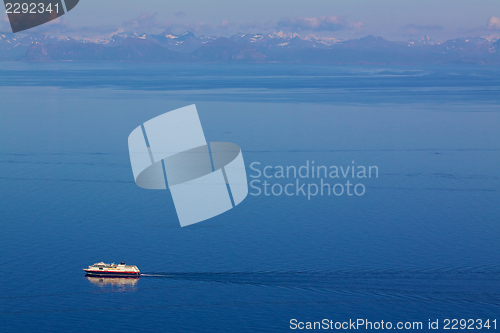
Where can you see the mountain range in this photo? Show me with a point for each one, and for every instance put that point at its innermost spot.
(276, 47)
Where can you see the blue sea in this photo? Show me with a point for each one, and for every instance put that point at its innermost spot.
(421, 244)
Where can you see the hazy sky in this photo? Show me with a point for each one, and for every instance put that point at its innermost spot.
(391, 19)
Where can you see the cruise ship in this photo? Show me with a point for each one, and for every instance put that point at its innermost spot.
(112, 270)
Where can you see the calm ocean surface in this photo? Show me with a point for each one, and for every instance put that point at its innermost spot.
(422, 243)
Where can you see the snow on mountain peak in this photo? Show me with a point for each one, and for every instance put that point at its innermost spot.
(281, 34)
(491, 38)
(424, 40)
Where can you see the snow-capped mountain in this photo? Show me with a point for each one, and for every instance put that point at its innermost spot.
(248, 47)
(425, 40)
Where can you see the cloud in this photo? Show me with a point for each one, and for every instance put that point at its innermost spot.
(180, 14)
(202, 27)
(143, 23)
(494, 23)
(415, 29)
(56, 26)
(225, 25)
(356, 25)
(153, 23)
(4, 23)
(256, 27)
(253, 26)
(150, 23)
(322, 23)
